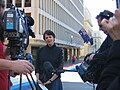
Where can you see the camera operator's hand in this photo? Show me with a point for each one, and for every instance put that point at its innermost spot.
(112, 26)
(21, 66)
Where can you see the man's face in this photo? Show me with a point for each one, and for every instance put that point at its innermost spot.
(99, 20)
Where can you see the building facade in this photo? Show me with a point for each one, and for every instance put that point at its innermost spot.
(96, 35)
(88, 27)
(64, 17)
(97, 39)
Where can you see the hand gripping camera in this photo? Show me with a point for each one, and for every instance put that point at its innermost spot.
(91, 70)
(82, 68)
(17, 31)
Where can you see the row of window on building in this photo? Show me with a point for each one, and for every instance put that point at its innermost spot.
(18, 3)
(59, 12)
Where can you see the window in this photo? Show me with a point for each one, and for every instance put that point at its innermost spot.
(18, 3)
(9, 3)
(27, 3)
(28, 14)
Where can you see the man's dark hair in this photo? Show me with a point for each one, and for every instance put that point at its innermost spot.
(2, 3)
(48, 32)
(105, 14)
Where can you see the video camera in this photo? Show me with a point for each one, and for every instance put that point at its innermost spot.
(17, 31)
(90, 71)
(82, 69)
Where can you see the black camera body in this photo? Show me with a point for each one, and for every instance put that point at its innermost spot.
(90, 70)
(17, 31)
(82, 68)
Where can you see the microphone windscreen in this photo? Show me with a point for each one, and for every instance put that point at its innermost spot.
(48, 67)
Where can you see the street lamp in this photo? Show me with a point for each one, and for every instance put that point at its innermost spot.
(95, 45)
(71, 38)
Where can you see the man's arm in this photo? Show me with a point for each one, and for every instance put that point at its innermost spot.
(18, 66)
(5, 64)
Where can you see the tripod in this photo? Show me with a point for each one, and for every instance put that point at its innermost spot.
(20, 88)
(28, 57)
(30, 80)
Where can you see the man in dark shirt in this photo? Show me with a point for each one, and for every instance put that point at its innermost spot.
(98, 59)
(110, 77)
(104, 48)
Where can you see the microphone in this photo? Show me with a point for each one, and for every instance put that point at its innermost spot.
(49, 69)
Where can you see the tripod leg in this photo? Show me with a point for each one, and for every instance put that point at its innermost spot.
(8, 80)
(34, 82)
(20, 88)
(29, 82)
(93, 86)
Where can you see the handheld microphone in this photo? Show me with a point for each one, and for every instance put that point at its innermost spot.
(48, 67)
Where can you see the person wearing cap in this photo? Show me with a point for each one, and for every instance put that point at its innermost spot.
(110, 77)
(99, 58)
(18, 66)
(104, 48)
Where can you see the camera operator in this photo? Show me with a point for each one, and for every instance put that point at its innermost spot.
(104, 48)
(98, 59)
(18, 66)
(110, 77)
